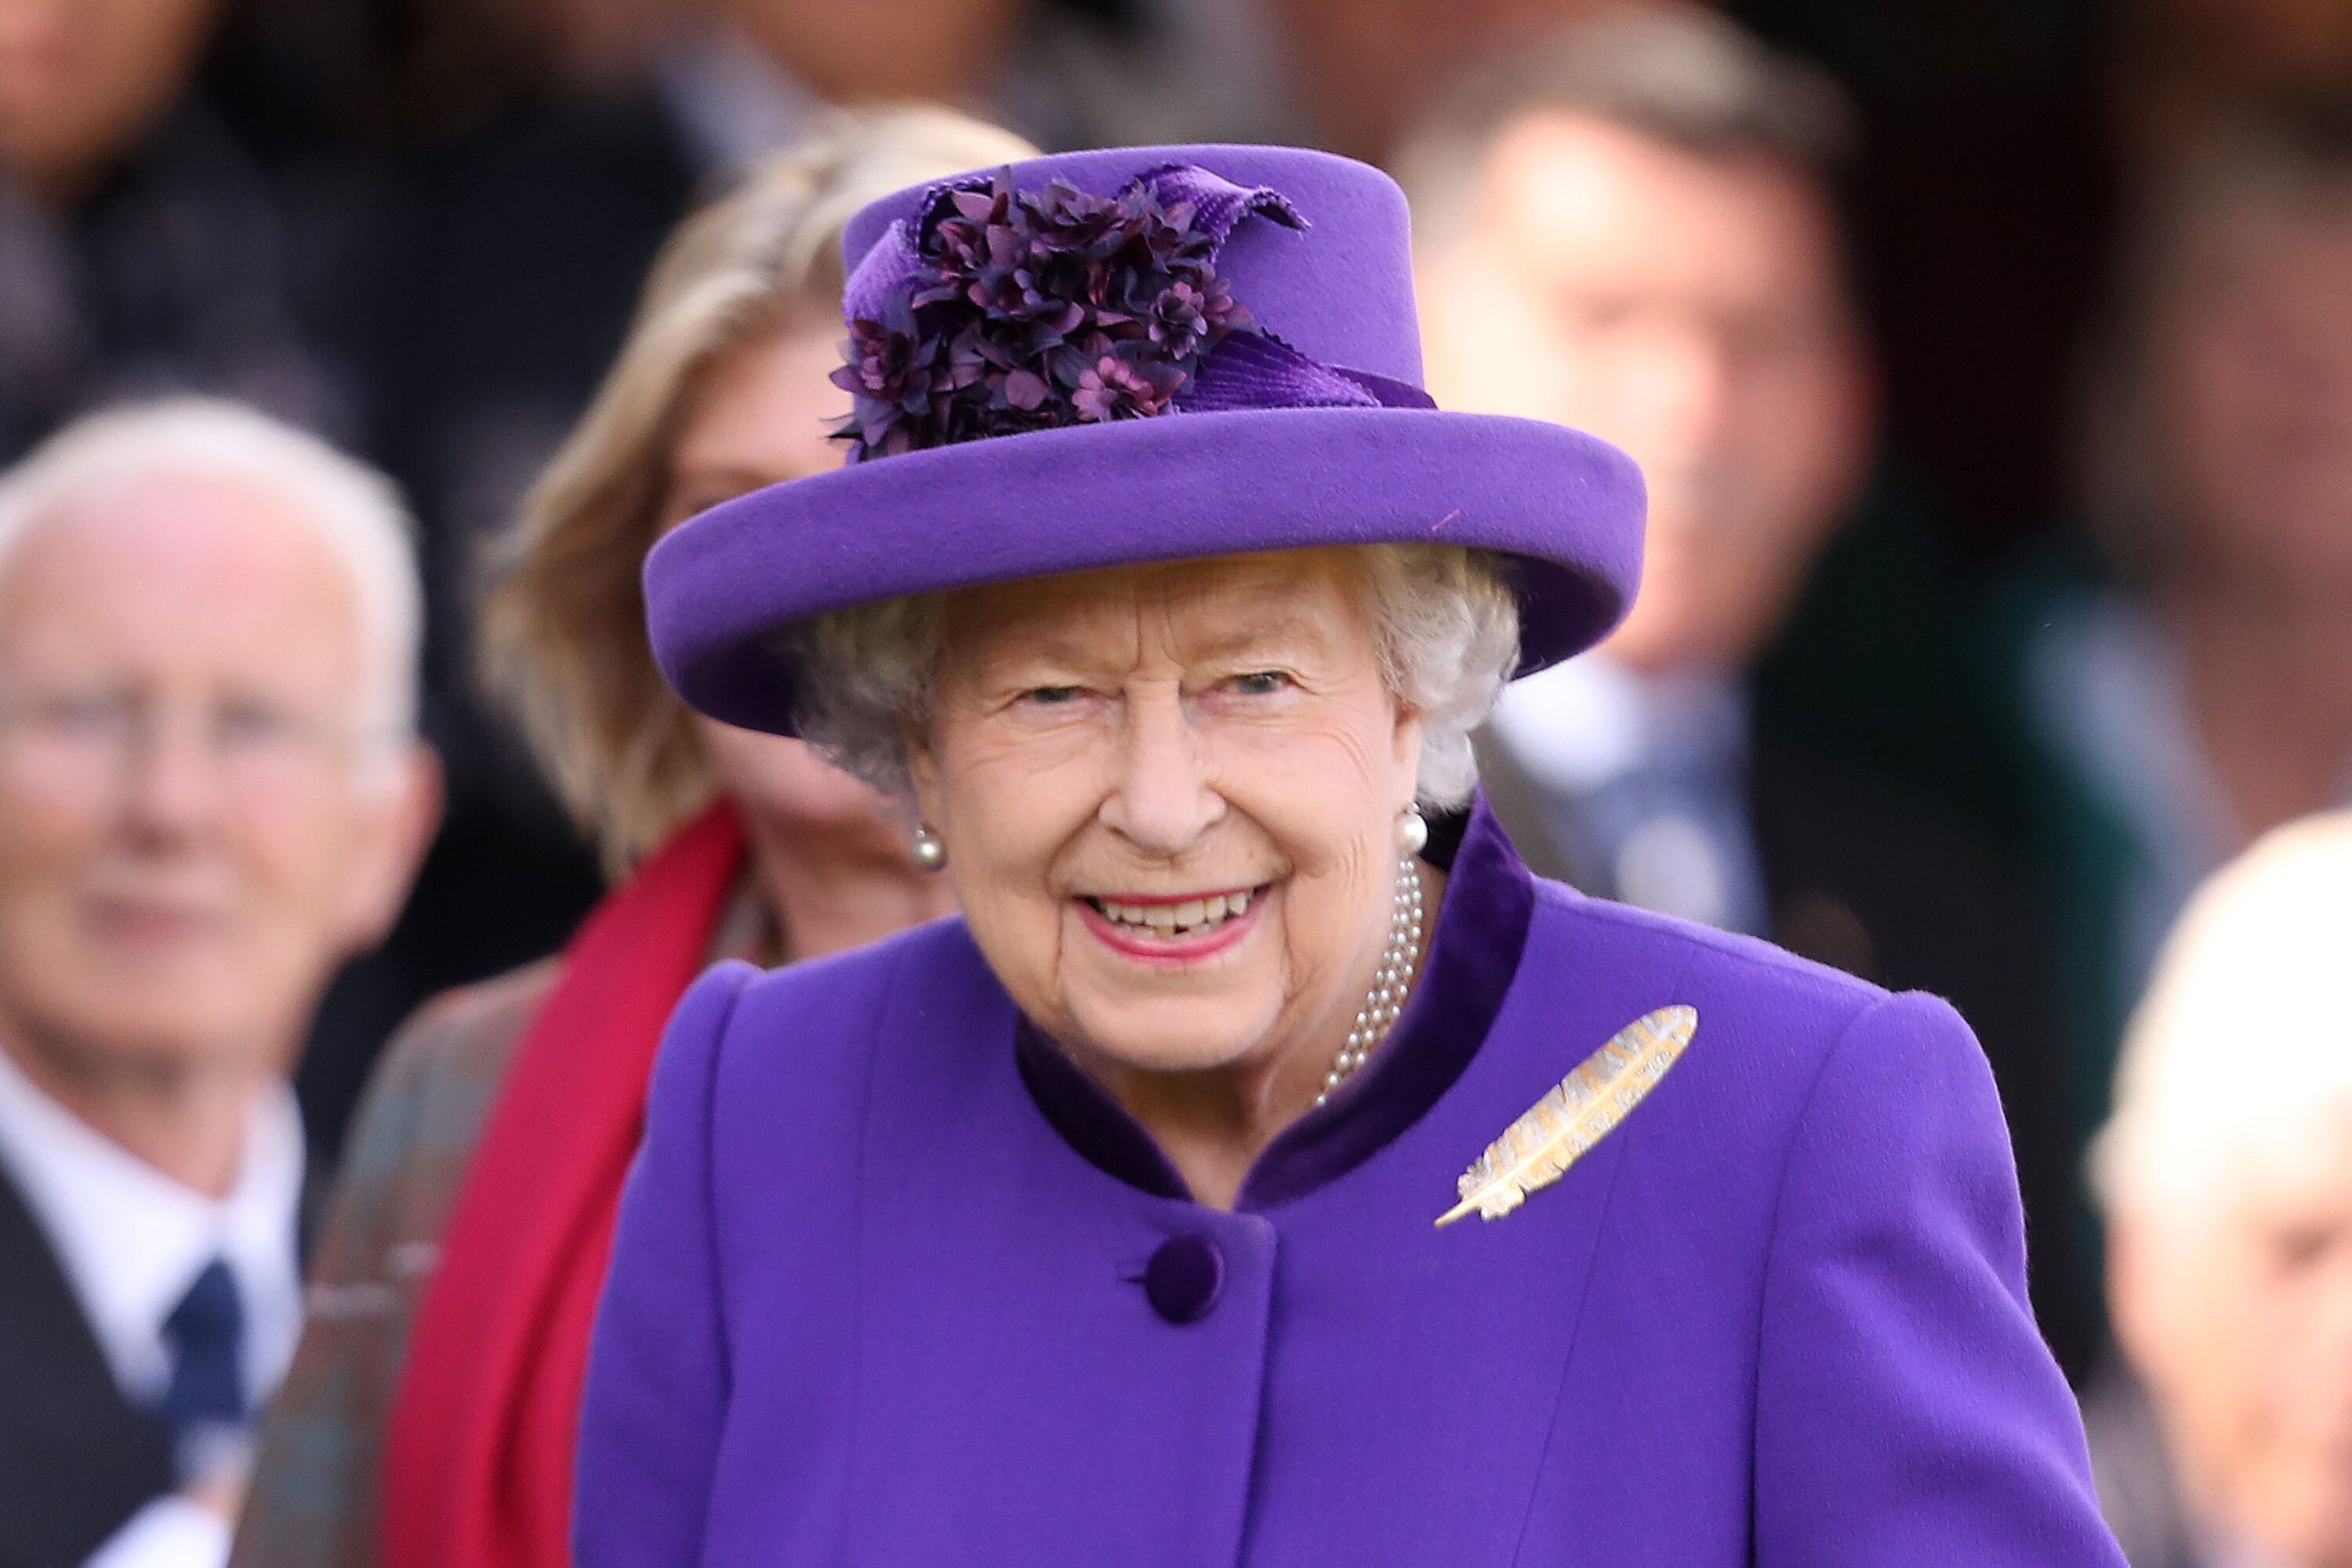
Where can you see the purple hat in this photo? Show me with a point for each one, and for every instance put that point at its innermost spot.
(1142, 354)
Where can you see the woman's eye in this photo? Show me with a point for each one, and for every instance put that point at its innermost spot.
(1260, 682)
(1053, 694)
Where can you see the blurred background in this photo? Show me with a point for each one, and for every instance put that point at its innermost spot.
(1992, 361)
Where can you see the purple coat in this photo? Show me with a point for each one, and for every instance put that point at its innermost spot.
(893, 1288)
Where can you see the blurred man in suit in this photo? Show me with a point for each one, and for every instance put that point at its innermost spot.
(210, 794)
(2226, 1173)
(1639, 240)
(1629, 225)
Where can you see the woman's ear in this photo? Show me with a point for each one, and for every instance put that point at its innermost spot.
(400, 814)
(1406, 744)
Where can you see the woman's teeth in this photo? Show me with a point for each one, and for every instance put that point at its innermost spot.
(1188, 918)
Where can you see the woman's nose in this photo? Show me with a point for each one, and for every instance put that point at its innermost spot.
(1161, 801)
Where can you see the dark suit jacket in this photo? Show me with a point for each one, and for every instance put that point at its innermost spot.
(77, 1458)
(1862, 878)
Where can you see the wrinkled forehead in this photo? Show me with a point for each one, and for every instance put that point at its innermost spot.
(1187, 608)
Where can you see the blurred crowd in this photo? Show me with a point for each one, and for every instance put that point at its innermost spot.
(1990, 365)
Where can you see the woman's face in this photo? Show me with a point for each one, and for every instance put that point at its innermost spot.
(1117, 762)
(761, 418)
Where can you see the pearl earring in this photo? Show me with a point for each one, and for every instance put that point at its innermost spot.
(1412, 830)
(929, 853)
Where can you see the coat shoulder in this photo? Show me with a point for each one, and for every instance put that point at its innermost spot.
(467, 1034)
(1758, 972)
(791, 1030)
(425, 1105)
(836, 988)
(1775, 1018)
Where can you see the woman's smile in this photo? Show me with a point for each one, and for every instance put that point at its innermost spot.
(1179, 865)
(1174, 928)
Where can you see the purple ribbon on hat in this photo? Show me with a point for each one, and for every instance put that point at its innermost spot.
(995, 312)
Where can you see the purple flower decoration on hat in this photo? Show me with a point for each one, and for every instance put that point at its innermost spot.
(999, 310)
(1129, 387)
(896, 374)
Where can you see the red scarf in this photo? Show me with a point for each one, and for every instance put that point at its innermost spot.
(478, 1463)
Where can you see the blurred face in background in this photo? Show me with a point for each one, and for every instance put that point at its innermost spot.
(1364, 64)
(880, 51)
(81, 81)
(2251, 367)
(2239, 1319)
(761, 417)
(1691, 309)
(590, 42)
(200, 813)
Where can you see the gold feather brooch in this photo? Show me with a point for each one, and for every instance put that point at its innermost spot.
(1584, 1107)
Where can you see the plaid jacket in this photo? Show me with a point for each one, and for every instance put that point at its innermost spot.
(318, 1471)
(315, 1480)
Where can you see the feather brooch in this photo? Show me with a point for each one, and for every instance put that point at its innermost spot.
(1537, 1149)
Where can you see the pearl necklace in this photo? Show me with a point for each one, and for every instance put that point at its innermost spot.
(1398, 960)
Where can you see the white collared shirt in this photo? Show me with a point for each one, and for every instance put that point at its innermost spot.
(1644, 781)
(130, 1241)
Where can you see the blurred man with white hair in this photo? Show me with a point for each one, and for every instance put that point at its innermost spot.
(2226, 1173)
(211, 793)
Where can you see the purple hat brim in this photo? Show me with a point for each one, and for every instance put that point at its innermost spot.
(1567, 506)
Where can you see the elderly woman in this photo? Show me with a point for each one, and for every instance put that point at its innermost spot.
(1258, 1171)
(427, 1422)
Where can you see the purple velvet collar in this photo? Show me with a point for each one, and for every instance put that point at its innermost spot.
(1481, 929)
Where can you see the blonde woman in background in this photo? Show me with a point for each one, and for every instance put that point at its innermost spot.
(428, 1419)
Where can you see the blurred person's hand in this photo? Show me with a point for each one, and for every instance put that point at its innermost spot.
(1692, 309)
(81, 81)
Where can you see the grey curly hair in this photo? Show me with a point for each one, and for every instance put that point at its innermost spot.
(1445, 618)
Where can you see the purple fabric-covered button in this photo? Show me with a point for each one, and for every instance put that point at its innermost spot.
(1184, 1278)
